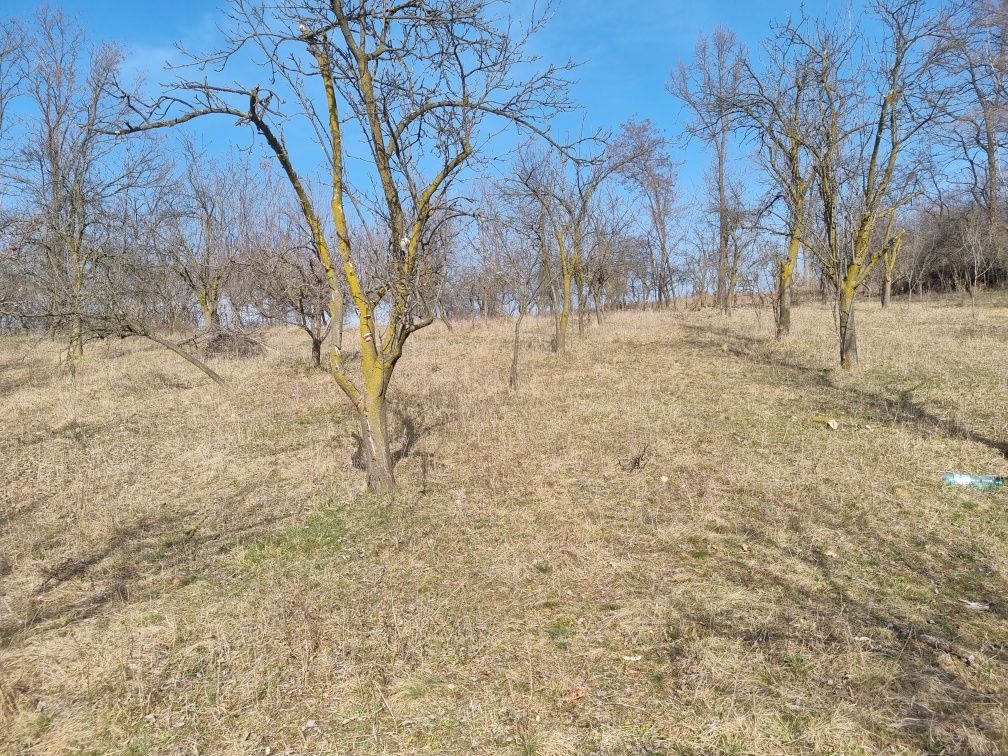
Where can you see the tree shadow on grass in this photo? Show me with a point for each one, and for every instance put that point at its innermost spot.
(128, 564)
(25, 370)
(927, 610)
(412, 433)
(933, 695)
(139, 559)
(898, 409)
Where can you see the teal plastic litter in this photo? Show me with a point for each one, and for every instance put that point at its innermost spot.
(968, 480)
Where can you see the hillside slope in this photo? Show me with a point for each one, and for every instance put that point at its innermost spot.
(658, 544)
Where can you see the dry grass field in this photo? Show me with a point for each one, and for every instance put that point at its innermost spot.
(192, 569)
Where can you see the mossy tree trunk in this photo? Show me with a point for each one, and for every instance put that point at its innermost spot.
(785, 278)
(890, 254)
(375, 442)
(848, 328)
(210, 312)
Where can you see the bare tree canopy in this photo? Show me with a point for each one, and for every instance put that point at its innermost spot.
(416, 83)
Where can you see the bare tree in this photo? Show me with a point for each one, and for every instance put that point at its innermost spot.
(285, 275)
(214, 204)
(978, 60)
(513, 226)
(975, 250)
(565, 188)
(130, 281)
(66, 172)
(709, 86)
(413, 82)
(868, 120)
(892, 248)
(652, 173)
(701, 252)
(776, 110)
(14, 47)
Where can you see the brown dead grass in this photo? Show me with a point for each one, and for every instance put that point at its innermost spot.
(185, 568)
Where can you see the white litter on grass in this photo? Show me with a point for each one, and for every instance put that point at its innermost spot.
(975, 605)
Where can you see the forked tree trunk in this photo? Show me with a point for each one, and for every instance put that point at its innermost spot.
(316, 350)
(209, 308)
(375, 444)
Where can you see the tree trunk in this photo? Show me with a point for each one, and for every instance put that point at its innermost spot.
(783, 305)
(513, 379)
(560, 343)
(211, 314)
(731, 293)
(848, 331)
(76, 350)
(375, 444)
(183, 354)
(785, 278)
(316, 351)
(886, 289)
(582, 306)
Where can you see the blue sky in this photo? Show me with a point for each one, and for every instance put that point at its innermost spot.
(627, 50)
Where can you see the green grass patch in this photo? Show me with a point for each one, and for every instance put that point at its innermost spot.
(560, 630)
(321, 534)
